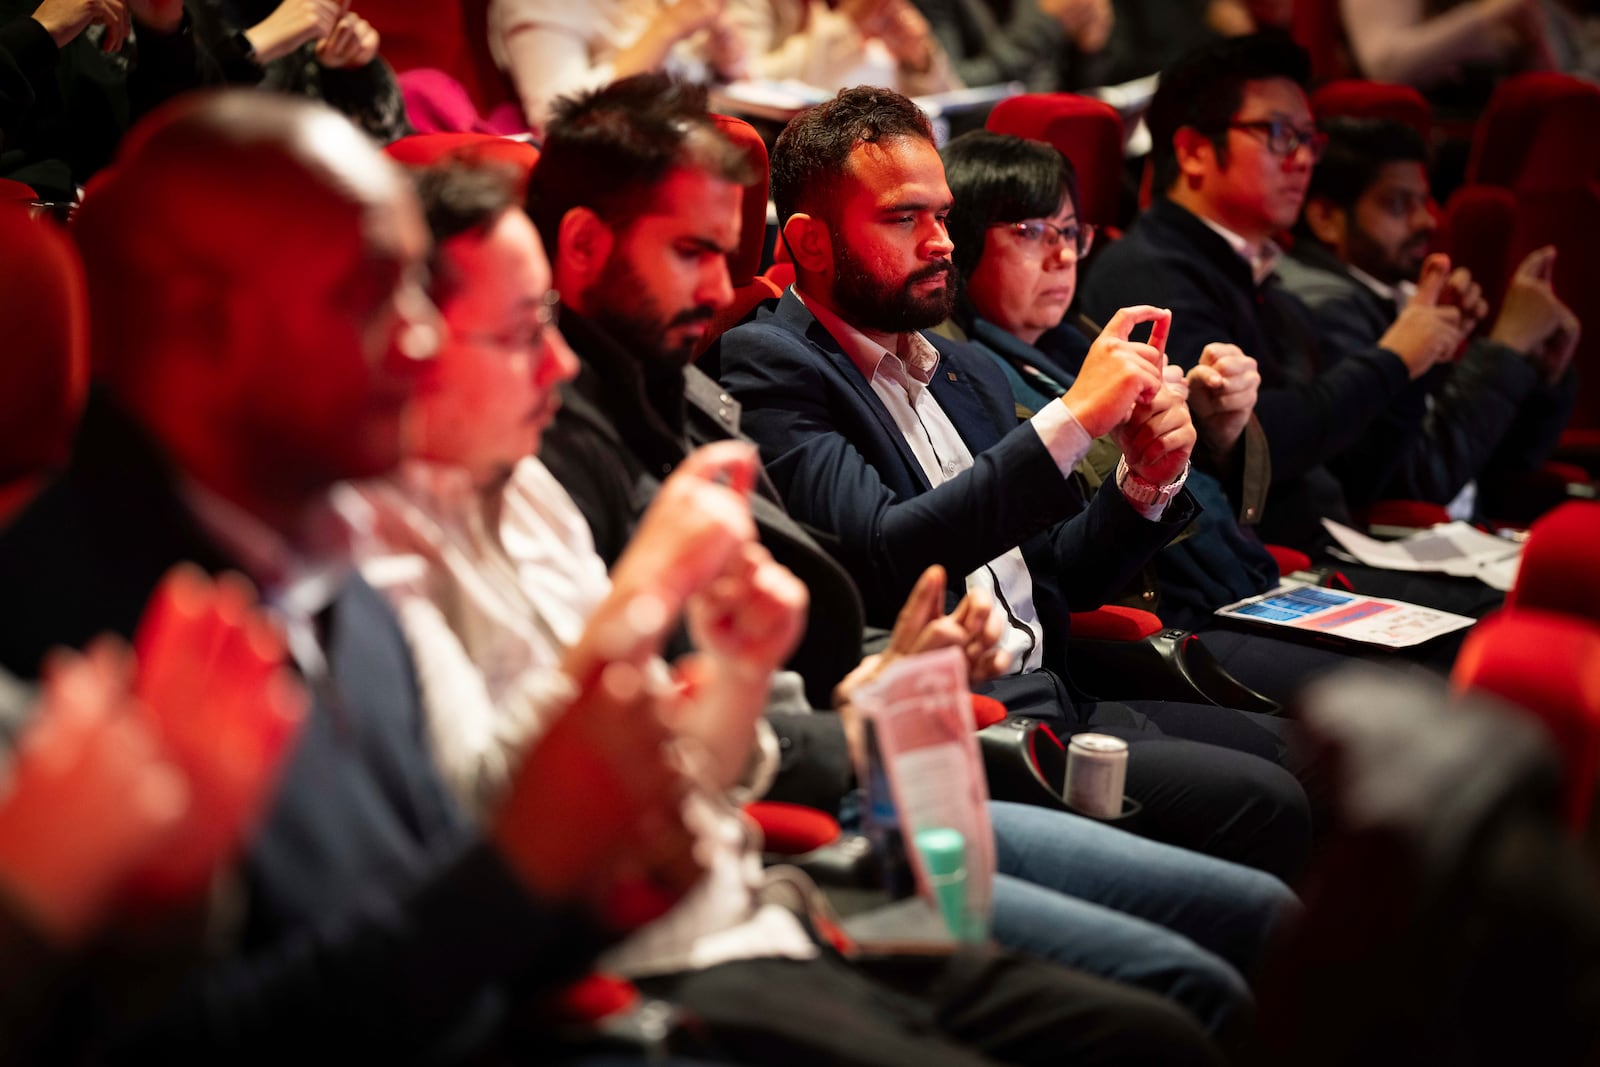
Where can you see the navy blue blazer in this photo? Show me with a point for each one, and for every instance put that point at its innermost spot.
(843, 468)
(376, 924)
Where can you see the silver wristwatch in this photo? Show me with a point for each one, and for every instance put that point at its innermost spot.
(1147, 494)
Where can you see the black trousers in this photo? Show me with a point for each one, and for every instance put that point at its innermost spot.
(1215, 780)
(980, 1006)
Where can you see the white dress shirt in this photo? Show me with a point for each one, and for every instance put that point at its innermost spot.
(488, 612)
(901, 383)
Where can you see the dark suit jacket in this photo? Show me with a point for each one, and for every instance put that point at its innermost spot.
(376, 924)
(621, 429)
(844, 468)
(1489, 408)
(1311, 411)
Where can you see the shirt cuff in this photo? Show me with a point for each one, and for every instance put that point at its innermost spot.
(1063, 435)
(1154, 511)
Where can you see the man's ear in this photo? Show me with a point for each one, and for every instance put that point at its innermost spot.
(1327, 221)
(584, 243)
(1196, 154)
(810, 244)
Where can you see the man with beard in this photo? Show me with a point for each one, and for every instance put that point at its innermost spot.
(903, 448)
(637, 195)
(1360, 248)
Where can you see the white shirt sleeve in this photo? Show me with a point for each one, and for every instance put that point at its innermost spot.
(1063, 435)
(547, 54)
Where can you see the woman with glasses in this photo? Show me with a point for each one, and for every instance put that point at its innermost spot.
(1018, 242)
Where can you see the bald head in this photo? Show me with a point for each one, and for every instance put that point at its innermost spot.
(255, 278)
(217, 190)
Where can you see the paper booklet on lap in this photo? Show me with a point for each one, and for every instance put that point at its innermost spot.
(1454, 548)
(920, 711)
(1367, 620)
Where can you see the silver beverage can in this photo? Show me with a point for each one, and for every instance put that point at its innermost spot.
(1097, 772)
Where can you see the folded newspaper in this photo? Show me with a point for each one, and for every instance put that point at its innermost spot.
(1454, 548)
(1368, 620)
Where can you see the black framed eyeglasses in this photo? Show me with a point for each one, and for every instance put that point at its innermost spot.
(1284, 138)
(527, 338)
(1078, 236)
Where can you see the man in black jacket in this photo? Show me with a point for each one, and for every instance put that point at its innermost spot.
(1360, 247)
(1234, 146)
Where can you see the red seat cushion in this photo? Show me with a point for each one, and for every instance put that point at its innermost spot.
(792, 829)
(1115, 623)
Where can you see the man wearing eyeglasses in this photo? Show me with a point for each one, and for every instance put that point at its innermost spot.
(1234, 147)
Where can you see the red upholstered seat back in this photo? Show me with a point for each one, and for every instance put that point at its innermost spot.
(1538, 134)
(1318, 27)
(447, 35)
(749, 287)
(1478, 230)
(1086, 131)
(426, 149)
(1560, 563)
(1354, 98)
(1549, 665)
(45, 368)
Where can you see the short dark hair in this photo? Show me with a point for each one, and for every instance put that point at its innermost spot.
(1357, 149)
(1204, 88)
(812, 153)
(995, 177)
(607, 149)
(459, 197)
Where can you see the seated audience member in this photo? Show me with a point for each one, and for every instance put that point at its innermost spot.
(904, 451)
(254, 271)
(314, 48)
(1045, 45)
(491, 570)
(1018, 239)
(1234, 145)
(1359, 255)
(1458, 48)
(884, 42)
(639, 258)
(551, 48)
(74, 74)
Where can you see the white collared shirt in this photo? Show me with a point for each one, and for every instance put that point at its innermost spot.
(1398, 295)
(489, 610)
(901, 383)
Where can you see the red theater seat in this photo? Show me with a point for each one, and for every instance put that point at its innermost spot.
(426, 149)
(1549, 666)
(45, 369)
(1357, 99)
(749, 287)
(1560, 569)
(1085, 130)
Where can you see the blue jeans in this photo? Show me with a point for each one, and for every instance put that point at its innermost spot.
(1086, 895)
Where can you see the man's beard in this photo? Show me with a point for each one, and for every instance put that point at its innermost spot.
(1391, 269)
(635, 320)
(887, 307)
